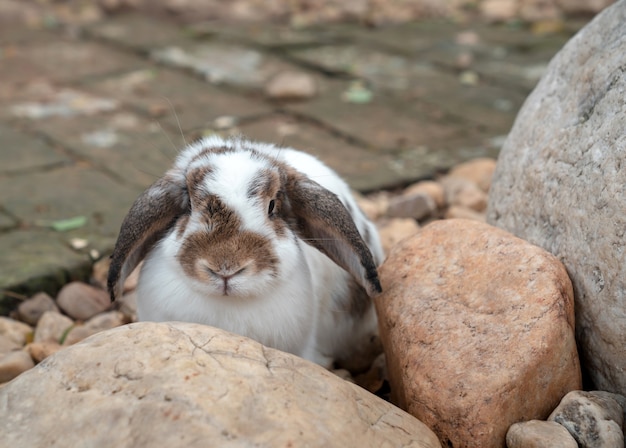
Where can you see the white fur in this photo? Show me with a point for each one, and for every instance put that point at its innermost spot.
(293, 312)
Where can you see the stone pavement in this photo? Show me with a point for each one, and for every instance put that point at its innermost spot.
(91, 115)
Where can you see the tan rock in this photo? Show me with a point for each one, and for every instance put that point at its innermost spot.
(374, 206)
(127, 305)
(52, 327)
(498, 10)
(393, 231)
(536, 10)
(14, 330)
(464, 193)
(31, 310)
(414, 205)
(583, 6)
(182, 384)
(8, 345)
(479, 171)
(41, 350)
(431, 188)
(539, 434)
(96, 324)
(82, 301)
(291, 85)
(14, 363)
(100, 272)
(477, 327)
(78, 333)
(458, 212)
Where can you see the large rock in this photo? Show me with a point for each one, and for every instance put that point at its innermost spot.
(180, 384)
(560, 183)
(478, 330)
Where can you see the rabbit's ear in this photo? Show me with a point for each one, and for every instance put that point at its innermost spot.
(321, 220)
(150, 217)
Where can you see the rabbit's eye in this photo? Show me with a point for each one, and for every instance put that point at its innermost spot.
(270, 208)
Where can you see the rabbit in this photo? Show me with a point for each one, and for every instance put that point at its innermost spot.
(259, 240)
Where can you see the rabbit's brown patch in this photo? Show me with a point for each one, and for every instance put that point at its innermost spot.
(227, 250)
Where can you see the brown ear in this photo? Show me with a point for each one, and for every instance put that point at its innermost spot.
(322, 221)
(150, 217)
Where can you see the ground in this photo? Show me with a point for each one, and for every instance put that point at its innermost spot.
(94, 110)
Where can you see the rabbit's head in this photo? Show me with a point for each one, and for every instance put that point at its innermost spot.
(236, 215)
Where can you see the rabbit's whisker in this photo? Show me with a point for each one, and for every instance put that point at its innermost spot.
(180, 128)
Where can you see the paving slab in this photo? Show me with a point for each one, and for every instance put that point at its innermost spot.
(66, 59)
(7, 222)
(415, 79)
(384, 123)
(272, 36)
(128, 147)
(362, 169)
(174, 98)
(137, 32)
(22, 153)
(39, 199)
(37, 260)
(223, 63)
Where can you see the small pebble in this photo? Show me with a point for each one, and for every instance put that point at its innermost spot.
(414, 205)
(31, 310)
(8, 345)
(77, 333)
(82, 301)
(225, 122)
(52, 327)
(41, 350)
(14, 363)
(15, 331)
(539, 434)
(395, 230)
(291, 85)
(96, 324)
(127, 305)
(374, 206)
(458, 212)
(479, 171)
(464, 193)
(78, 243)
(431, 188)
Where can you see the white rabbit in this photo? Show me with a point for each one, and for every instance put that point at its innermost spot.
(262, 241)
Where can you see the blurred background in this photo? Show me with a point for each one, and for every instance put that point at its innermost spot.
(98, 96)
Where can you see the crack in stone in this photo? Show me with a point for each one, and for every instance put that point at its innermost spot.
(591, 103)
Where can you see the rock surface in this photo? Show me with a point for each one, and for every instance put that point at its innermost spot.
(31, 310)
(592, 418)
(176, 384)
(15, 331)
(291, 85)
(82, 301)
(539, 434)
(52, 327)
(478, 330)
(560, 183)
(14, 363)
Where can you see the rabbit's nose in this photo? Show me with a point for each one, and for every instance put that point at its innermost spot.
(225, 273)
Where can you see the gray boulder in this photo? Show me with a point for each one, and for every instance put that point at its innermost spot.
(560, 183)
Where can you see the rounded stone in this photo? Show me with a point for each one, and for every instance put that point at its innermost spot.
(478, 330)
(183, 384)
